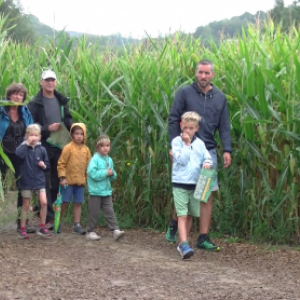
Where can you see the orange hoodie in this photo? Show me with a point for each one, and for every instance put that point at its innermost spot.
(74, 160)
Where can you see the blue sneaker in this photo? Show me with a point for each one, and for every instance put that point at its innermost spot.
(185, 250)
(78, 229)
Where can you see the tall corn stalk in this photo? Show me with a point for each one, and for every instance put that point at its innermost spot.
(260, 73)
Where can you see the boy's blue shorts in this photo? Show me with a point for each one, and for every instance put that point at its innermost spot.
(72, 191)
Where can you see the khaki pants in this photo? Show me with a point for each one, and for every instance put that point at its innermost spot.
(97, 203)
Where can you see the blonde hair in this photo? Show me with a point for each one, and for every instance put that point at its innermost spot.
(102, 139)
(191, 116)
(33, 128)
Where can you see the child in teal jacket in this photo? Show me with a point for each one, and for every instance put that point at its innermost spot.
(100, 173)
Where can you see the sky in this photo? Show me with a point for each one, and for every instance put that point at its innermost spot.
(136, 17)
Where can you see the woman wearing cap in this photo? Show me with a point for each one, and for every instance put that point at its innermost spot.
(13, 123)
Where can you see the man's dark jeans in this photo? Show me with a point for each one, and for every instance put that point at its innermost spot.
(52, 181)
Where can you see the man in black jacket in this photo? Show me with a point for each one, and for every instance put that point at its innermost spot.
(211, 104)
(49, 108)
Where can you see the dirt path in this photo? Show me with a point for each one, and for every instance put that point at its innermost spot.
(141, 266)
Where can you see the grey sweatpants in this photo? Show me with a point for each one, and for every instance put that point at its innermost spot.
(97, 203)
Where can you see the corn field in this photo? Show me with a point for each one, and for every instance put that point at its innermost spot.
(127, 94)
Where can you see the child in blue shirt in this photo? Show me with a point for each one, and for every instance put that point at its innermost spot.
(189, 156)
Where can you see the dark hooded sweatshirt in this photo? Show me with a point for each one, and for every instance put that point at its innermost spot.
(212, 107)
(32, 175)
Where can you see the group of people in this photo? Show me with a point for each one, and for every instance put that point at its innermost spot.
(45, 169)
(198, 111)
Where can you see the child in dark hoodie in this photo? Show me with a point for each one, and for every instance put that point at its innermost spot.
(33, 164)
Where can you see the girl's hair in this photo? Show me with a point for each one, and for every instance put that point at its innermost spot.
(16, 88)
(75, 128)
(191, 116)
(33, 128)
(103, 138)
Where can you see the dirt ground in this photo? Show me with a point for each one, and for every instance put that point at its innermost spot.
(141, 266)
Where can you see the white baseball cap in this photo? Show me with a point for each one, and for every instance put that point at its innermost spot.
(48, 74)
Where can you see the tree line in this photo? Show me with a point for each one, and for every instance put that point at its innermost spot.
(27, 28)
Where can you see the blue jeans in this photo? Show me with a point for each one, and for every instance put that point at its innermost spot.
(72, 191)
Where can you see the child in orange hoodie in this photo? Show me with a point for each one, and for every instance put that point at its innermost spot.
(71, 169)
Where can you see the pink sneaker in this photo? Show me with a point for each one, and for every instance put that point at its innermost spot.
(23, 235)
(44, 232)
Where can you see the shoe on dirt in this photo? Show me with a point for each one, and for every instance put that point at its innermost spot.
(23, 235)
(185, 250)
(92, 236)
(207, 244)
(118, 234)
(77, 229)
(50, 225)
(30, 229)
(44, 232)
(172, 233)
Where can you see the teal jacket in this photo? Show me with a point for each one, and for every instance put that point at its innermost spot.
(97, 179)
